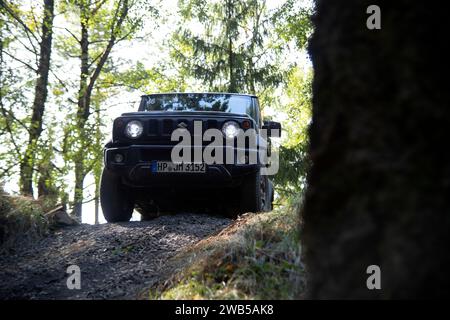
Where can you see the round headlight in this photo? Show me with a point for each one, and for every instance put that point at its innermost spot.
(230, 129)
(134, 129)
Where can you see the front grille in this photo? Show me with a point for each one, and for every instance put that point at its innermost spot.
(153, 127)
(165, 127)
(211, 124)
(158, 130)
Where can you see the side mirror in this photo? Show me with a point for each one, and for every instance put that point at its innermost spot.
(271, 125)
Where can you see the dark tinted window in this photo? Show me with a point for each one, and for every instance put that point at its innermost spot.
(199, 102)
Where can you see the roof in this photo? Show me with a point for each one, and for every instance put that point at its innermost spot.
(228, 93)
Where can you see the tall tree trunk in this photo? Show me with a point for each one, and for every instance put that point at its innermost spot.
(232, 79)
(378, 191)
(82, 116)
(232, 86)
(96, 201)
(99, 163)
(85, 93)
(40, 97)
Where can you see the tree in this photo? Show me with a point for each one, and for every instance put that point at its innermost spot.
(98, 163)
(7, 78)
(379, 184)
(102, 24)
(292, 23)
(294, 160)
(232, 52)
(34, 129)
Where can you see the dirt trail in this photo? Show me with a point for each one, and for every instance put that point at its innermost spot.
(116, 260)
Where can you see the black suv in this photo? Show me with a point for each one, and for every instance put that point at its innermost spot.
(141, 173)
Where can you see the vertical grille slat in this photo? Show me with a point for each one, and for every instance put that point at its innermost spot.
(167, 127)
(160, 129)
(153, 127)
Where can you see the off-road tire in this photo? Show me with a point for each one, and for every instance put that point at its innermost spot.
(253, 189)
(117, 203)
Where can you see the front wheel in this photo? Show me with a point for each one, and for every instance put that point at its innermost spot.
(117, 204)
(253, 192)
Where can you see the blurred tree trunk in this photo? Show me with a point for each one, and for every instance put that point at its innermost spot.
(40, 96)
(378, 191)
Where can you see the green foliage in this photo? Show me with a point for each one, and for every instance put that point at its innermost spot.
(293, 22)
(138, 77)
(294, 160)
(14, 87)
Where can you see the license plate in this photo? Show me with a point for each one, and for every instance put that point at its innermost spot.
(170, 167)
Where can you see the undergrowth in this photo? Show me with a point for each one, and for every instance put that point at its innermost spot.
(258, 257)
(21, 218)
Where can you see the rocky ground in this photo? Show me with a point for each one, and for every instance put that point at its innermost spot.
(116, 260)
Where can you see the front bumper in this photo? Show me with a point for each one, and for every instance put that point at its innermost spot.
(135, 168)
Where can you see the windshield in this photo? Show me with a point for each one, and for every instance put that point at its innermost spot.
(198, 102)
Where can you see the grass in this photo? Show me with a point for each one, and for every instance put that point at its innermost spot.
(21, 219)
(257, 257)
